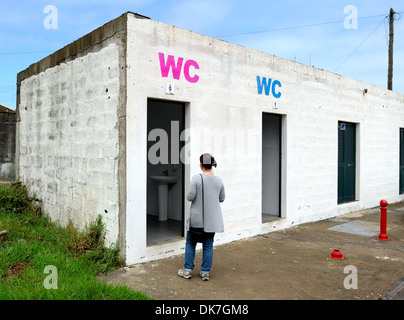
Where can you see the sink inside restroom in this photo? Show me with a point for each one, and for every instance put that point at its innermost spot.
(165, 179)
(163, 183)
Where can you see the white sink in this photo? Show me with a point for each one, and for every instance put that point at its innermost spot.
(164, 179)
(163, 182)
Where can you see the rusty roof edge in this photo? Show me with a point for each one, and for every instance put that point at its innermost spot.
(5, 109)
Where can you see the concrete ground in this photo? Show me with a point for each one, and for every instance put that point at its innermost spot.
(289, 264)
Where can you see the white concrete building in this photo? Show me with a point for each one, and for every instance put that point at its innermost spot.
(138, 98)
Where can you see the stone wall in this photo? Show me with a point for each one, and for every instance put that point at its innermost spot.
(7, 143)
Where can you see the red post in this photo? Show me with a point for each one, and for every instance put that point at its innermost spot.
(383, 221)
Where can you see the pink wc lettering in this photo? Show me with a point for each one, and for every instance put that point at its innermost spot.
(176, 67)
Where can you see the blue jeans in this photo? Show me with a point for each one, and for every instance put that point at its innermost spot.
(207, 255)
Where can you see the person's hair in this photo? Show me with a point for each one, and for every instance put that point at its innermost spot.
(208, 161)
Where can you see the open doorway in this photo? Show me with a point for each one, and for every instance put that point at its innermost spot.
(165, 170)
(271, 166)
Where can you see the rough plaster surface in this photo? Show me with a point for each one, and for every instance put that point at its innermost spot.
(69, 139)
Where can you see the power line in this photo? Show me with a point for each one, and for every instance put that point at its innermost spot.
(360, 44)
(295, 27)
(396, 16)
(25, 52)
(243, 33)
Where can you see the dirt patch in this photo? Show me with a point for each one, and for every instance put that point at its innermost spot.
(16, 270)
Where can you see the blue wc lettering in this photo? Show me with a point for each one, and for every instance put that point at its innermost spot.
(269, 86)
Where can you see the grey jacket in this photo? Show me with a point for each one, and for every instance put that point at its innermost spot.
(213, 195)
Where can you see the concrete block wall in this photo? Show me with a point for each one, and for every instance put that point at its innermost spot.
(225, 101)
(69, 139)
(7, 143)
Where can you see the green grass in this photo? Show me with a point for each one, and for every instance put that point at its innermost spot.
(33, 242)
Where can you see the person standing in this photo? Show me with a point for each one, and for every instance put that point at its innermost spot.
(206, 192)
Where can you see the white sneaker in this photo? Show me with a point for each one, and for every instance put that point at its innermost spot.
(184, 273)
(204, 276)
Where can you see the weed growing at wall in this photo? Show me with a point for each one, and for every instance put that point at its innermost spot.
(14, 198)
(33, 243)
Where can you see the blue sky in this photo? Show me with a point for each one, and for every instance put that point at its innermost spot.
(287, 29)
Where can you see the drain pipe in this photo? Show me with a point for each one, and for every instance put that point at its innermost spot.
(383, 221)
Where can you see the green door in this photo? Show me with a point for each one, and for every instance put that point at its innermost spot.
(346, 161)
(401, 160)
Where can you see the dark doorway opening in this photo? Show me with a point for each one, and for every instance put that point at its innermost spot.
(271, 166)
(165, 170)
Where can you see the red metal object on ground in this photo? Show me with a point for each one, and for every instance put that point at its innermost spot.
(336, 254)
(383, 221)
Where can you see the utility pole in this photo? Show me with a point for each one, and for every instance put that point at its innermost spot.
(391, 40)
